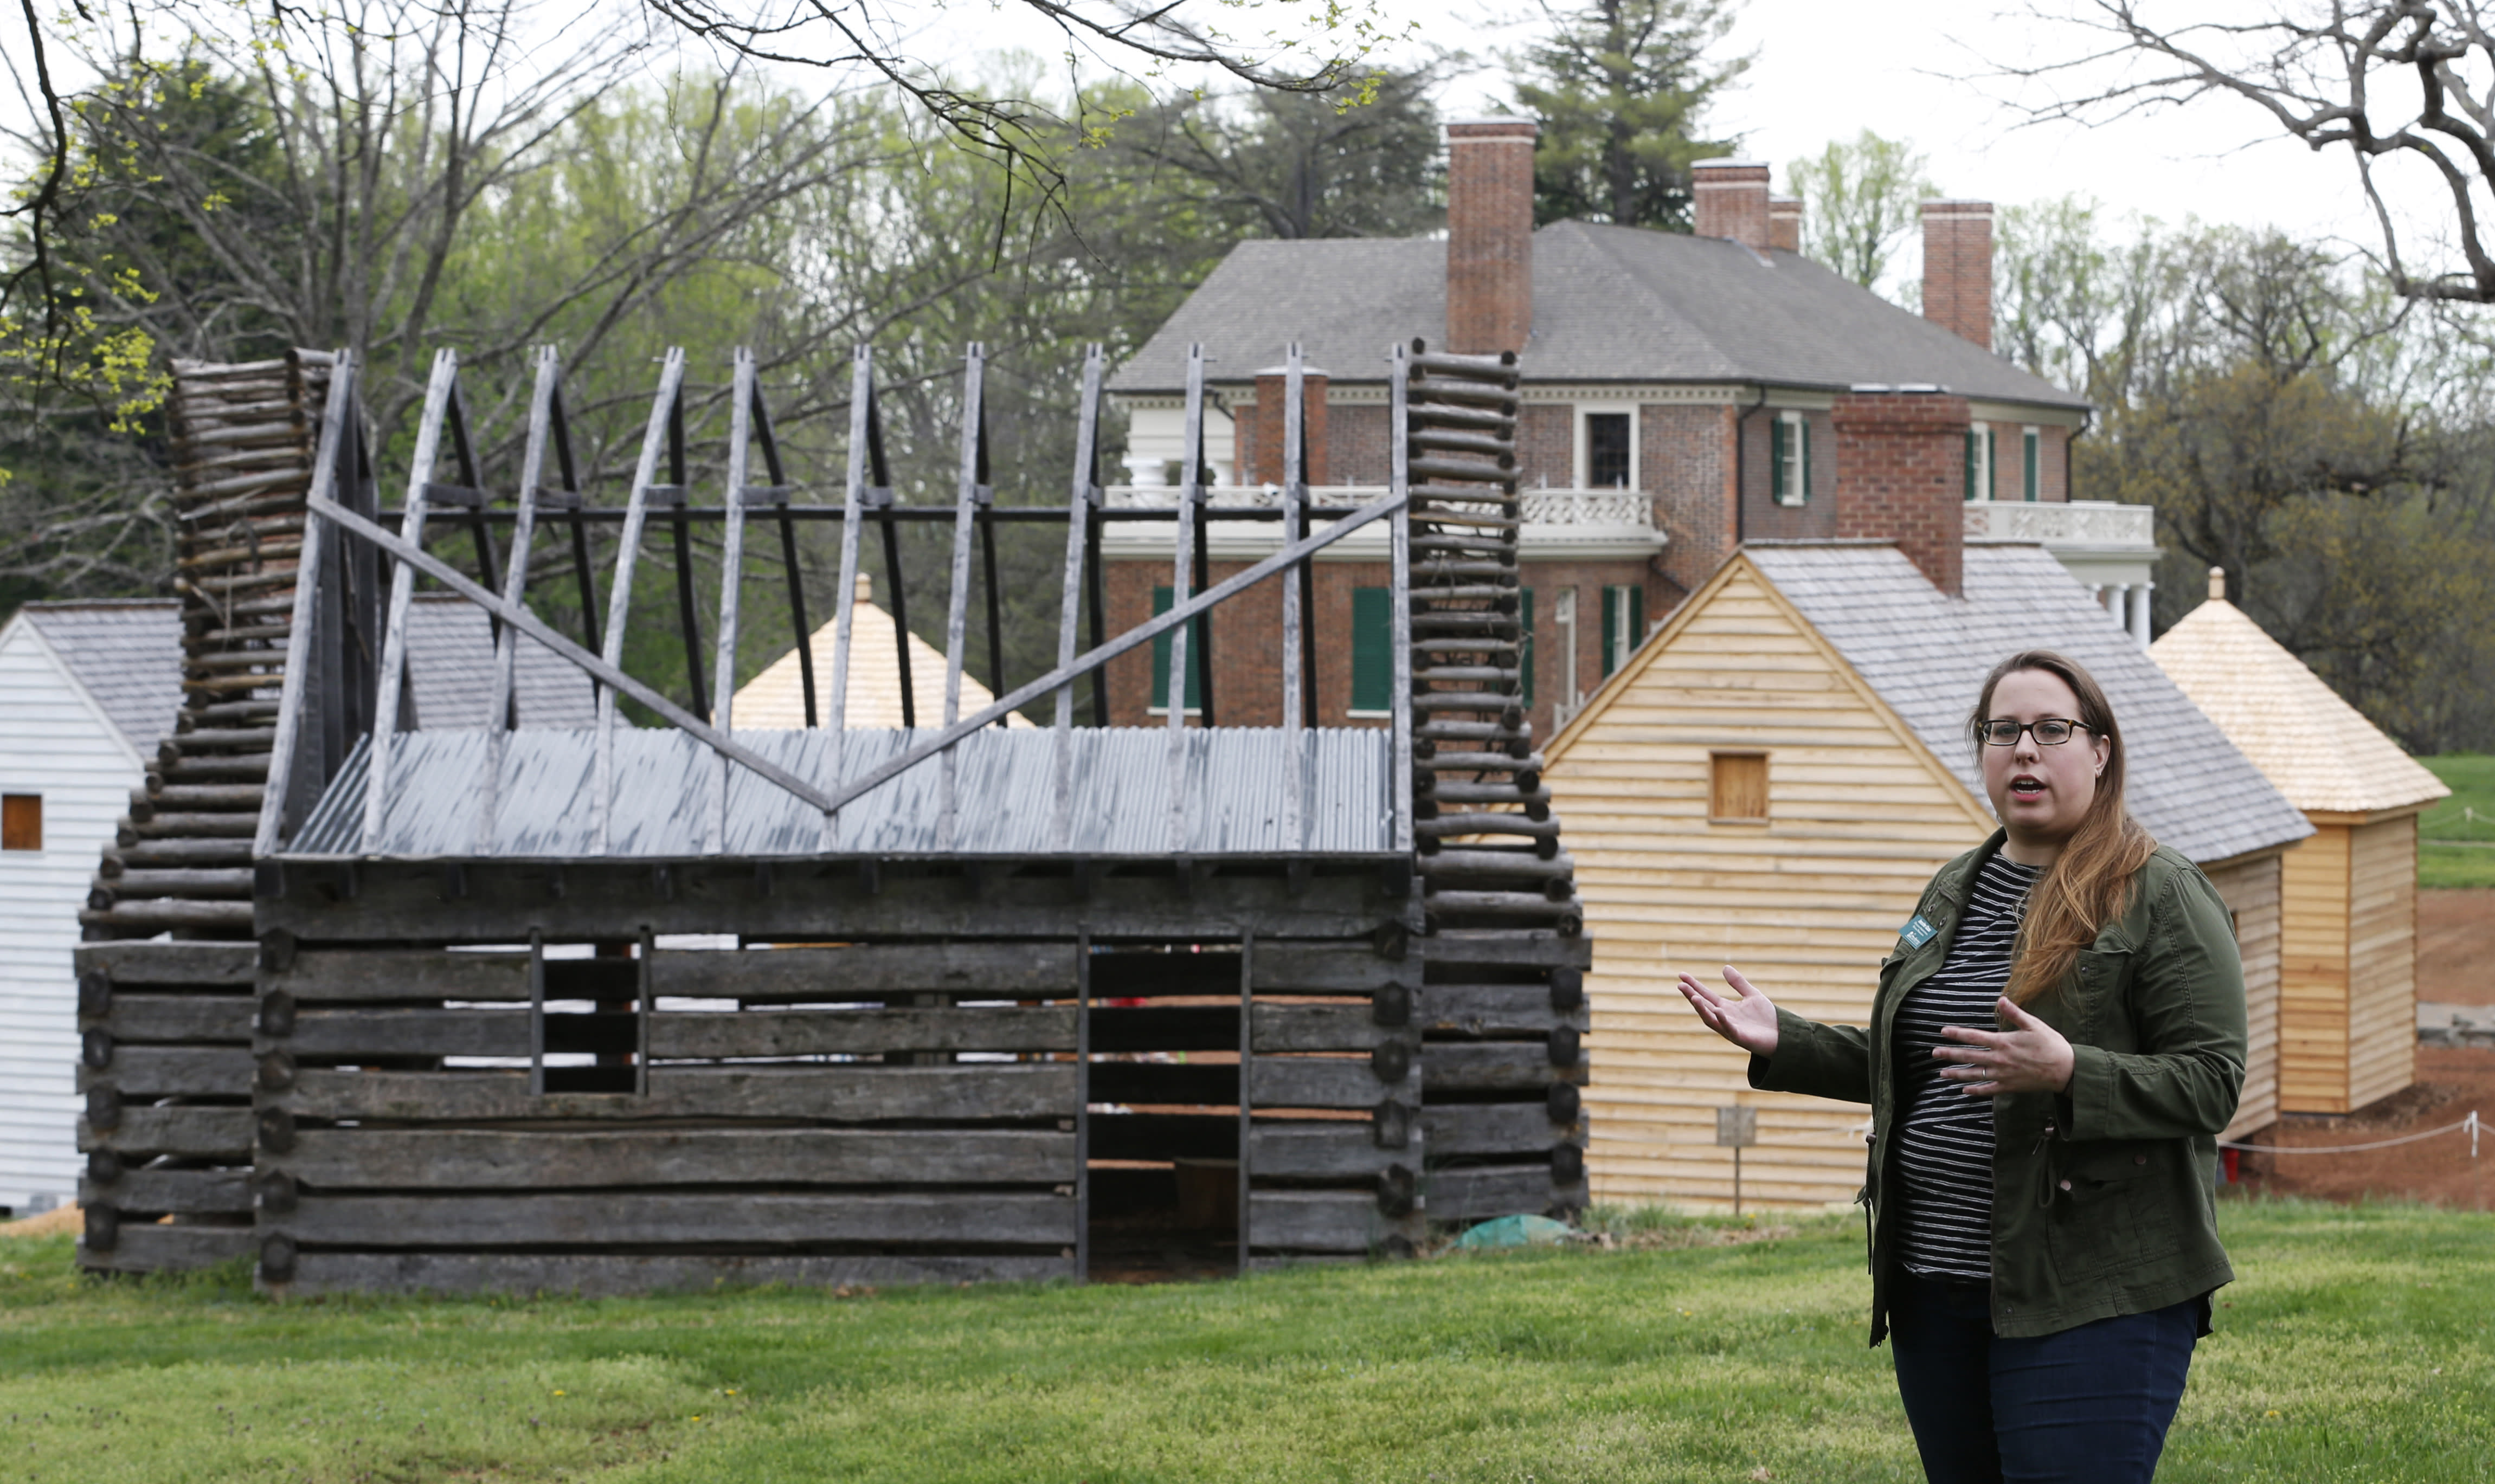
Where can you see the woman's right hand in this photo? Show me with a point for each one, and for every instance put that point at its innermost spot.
(1748, 1022)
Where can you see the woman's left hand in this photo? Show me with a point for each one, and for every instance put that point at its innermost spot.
(2030, 1057)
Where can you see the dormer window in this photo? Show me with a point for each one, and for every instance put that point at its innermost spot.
(1789, 458)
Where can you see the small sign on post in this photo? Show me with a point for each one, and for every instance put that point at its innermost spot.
(1737, 1128)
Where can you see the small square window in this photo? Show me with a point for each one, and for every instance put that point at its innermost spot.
(21, 821)
(1607, 451)
(1738, 787)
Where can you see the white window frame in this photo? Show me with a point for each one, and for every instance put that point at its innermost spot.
(1985, 488)
(1796, 424)
(1582, 474)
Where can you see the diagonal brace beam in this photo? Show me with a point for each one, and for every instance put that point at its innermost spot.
(531, 625)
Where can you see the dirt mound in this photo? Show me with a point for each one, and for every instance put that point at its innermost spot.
(2451, 1081)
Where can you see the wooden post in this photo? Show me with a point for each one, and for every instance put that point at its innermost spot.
(312, 565)
(1078, 531)
(787, 547)
(1398, 604)
(580, 568)
(957, 614)
(1083, 1104)
(619, 596)
(537, 1013)
(1246, 1075)
(852, 516)
(472, 477)
(1295, 834)
(1181, 582)
(731, 577)
(393, 676)
(1095, 579)
(498, 718)
(681, 529)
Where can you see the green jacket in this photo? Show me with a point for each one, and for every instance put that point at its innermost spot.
(2104, 1194)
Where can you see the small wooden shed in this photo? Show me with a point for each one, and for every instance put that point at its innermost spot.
(2348, 971)
(1771, 781)
(777, 697)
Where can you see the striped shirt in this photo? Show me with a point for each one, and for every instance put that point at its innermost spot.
(1944, 1163)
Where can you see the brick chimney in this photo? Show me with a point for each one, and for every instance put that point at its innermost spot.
(1784, 222)
(1901, 468)
(1732, 200)
(1490, 235)
(1262, 463)
(1958, 268)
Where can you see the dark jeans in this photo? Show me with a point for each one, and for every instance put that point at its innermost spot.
(2091, 1403)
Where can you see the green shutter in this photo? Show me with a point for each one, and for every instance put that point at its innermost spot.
(1803, 427)
(1162, 659)
(1991, 461)
(2031, 440)
(1611, 622)
(1970, 465)
(1524, 612)
(1372, 656)
(1637, 603)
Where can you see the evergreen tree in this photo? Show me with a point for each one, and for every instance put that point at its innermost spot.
(1620, 87)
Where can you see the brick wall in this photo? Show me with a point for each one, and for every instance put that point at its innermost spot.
(1731, 201)
(1686, 461)
(1357, 444)
(1260, 450)
(1490, 235)
(1762, 518)
(2009, 471)
(1901, 459)
(1958, 268)
(1247, 637)
(1546, 445)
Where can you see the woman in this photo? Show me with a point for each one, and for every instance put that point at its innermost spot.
(2055, 1044)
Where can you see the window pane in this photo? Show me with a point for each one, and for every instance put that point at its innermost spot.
(22, 822)
(1162, 659)
(1372, 658)
(1737, 786)
(1607, 451)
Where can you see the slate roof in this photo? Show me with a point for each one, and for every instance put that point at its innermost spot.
(1610, 304)
(127, 653)
(777, 697)
(2320, 751)
(1926, 654)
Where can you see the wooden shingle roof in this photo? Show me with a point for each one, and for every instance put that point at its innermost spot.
(2316, 748)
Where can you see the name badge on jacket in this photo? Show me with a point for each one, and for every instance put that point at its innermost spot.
(1917, 932)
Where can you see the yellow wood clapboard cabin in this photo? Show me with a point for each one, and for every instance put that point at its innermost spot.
(2348, 972)
(1771, 781)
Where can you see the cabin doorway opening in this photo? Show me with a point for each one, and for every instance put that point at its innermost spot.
(1164, 1115)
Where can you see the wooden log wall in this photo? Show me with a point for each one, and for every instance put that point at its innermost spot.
(1503, 1008)
(165, 1026)
(243, 439)
(857, 1114)
(165, 1065)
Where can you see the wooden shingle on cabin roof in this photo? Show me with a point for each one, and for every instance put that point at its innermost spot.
(2319, 750)
(776, 698)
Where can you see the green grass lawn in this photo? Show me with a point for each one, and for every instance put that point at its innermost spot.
(2356, 1348)
(2456, 837)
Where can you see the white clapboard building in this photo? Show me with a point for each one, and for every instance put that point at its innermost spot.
(86, 690)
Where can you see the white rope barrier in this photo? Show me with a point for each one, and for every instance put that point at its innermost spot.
(2471, 1123)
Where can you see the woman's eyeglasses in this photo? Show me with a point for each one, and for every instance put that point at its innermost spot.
(2050, 731)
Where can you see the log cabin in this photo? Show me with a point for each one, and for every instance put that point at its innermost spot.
(1771, 781)
(2347, 1010)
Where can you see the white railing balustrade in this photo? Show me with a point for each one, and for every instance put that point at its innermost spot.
(1610, 509)
(2099, 523)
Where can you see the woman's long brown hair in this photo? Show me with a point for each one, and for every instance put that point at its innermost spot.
(2089, 883)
